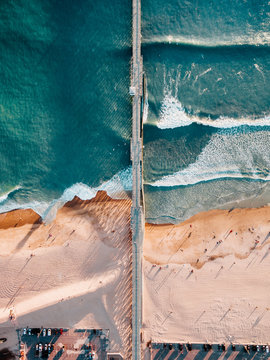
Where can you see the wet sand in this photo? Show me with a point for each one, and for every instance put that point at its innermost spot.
(207, 279)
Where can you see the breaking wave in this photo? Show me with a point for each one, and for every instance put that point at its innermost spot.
(261, 38)
(117, 187)
(173, 115)
(5, 195)
(230, 155)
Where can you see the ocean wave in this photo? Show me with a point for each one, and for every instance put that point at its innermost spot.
(187, 177)
(261, 38)
(173, 115)
(226, 156)
(117, 187)
(5, 195)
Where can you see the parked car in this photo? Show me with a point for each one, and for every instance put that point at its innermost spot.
(49, 332)
(50, 348)
(44, 332)
(258, 348)
(24, 331)
(267, 348)
(29, 331)
(45, 352)
(40, 347)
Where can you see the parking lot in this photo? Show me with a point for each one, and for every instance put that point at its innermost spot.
(63, 344)
(208, 352)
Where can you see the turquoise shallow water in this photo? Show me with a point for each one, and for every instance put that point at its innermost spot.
(208, 128)
(65, 114)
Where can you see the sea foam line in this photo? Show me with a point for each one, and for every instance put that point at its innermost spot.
(227, 155)
(261, 38)
(5, 195)
(117, 187)
(173, 115)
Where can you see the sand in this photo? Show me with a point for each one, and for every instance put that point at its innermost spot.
(207, 279)
(73, 273)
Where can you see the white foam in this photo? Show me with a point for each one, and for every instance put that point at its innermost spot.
(4, 196)
(38, 206)
(237, 155)
(251, 39)
(173, 115)
(117, 188)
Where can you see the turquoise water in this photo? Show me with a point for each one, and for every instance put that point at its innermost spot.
(208, 128)
(65, 112)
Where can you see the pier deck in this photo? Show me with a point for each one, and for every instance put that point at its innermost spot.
(137, 213)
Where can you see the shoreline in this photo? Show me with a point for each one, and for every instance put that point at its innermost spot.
(206, 280)
(86, 250)
(217, 230)
(74, 272)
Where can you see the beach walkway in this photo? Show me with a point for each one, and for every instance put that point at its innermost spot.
(137, 213)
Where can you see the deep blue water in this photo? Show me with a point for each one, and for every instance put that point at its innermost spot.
(65, 112)
(208, 128)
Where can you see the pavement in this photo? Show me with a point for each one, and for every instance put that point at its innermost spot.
(158, 352)
(71, 344)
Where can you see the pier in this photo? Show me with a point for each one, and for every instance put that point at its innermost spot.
(137, 210)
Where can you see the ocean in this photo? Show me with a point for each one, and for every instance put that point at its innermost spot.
(65, 111)
(206, 138)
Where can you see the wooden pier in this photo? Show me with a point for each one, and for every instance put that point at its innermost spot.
(137, 210)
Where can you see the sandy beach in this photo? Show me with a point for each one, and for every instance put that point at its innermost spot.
(207, 279)
(73, 273)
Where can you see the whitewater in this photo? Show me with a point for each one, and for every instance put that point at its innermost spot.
(118, 187)
(228, 155)
(173, 114)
